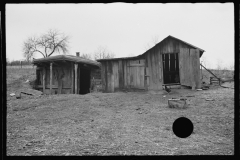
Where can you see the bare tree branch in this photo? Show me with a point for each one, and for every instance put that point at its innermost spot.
(47, 44)
(103, 53)
(86, 56)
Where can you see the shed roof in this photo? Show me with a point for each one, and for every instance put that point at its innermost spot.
(153, 47)
(70, 58)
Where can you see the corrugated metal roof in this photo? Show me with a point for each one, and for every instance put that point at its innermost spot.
(71, 58)
(153, 47)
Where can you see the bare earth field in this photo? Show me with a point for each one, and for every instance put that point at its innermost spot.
(122, 123)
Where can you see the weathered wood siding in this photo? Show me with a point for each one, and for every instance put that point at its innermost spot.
(122, 74)
(96, 80)
(195, 68)
(184, 67)
(154, 67)
(63, 77)
(146, 72)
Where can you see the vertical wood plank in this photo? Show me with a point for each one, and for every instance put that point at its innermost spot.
(110, 76)
(43, 81)
(195, 68)
(145, 77)
(160, 70)
(106, 75)
(78, 88)
(124, 74)
(149, 70)
(160, 67)
(76, 76)
(184, 67)
(128, 74)
(50, 78)
(157, 68)
(153, 71)
(59, 83)
(115, 69)
(120, 74)
(72, 78)
(103, 76)
(112, 85)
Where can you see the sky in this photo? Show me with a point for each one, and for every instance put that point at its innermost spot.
(125, 29)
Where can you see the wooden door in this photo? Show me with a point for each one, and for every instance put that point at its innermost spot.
(184, 67)
(136, 73)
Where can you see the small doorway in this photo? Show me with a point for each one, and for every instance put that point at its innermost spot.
(170, 68)
(84, 81)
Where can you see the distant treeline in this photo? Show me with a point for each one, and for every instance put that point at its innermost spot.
(19, 63)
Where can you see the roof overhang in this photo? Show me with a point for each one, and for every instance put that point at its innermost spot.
(69, 58)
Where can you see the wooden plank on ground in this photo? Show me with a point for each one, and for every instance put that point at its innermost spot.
(32, 92)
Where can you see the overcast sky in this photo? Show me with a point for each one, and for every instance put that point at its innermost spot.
(125, 29)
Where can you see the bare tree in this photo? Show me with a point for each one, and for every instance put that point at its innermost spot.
(103, 53)
(86, 56)
(46, 44)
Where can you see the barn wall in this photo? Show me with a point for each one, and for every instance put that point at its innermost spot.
(116, 74)
(154, 68)
(122, 74)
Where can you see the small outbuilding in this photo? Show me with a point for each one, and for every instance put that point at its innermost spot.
(170, 62)
(64, 74)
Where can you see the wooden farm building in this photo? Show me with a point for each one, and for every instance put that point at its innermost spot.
(63, 74)
(170, 62)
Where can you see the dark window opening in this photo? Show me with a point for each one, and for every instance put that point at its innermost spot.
(84, 81)
(38, 77)
(170, 68)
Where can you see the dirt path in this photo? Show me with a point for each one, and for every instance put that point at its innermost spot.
(120, 123)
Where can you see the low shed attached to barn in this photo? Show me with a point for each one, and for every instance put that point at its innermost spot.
(64, 74)
(170, 62)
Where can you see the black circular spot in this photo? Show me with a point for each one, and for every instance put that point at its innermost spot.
(182, 127)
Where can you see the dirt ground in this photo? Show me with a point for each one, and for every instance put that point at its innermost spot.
(122, 123)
